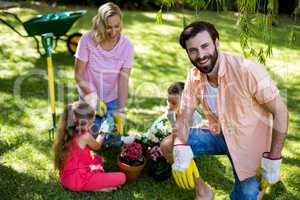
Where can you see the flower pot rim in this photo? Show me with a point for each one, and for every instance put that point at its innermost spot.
(138, 166)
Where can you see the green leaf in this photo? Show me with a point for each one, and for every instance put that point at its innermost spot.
(159, 19)
(261, 56)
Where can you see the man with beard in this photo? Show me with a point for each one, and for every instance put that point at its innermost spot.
(247, 119)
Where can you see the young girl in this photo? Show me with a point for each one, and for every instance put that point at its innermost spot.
(80, 169)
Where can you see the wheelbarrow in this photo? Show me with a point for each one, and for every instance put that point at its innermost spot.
(58, 23)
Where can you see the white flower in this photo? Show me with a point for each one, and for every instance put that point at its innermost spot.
(136, 135)
(153, 130)
(153, 138)
(160, 125)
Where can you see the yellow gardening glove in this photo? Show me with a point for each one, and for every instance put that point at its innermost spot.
(120, 122)
(186, 179)
(269, 171)
(271, 168)
(102, 109)
(264, 185)
(95, 103)
(184, 168)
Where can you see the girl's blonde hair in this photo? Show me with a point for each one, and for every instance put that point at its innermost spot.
(74, 118)
(99, 22)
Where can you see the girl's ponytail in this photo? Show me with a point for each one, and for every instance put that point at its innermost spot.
(64, 134)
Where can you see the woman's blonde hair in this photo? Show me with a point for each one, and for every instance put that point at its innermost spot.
(73, 119)
(99, 22)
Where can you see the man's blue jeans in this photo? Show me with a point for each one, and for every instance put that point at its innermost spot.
(203, 142)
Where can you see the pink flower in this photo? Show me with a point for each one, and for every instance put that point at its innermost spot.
(132, 153)
(155, 152)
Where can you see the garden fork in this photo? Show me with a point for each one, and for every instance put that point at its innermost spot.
(47, 41)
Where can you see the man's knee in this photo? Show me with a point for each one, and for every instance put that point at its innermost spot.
(248, 189)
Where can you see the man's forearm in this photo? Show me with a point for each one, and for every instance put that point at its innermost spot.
(181, 128)
(280, 127)
(180, 134)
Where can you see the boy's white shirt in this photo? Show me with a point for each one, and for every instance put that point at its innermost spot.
(196, 120)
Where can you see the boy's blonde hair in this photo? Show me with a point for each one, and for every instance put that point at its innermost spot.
(99, 22)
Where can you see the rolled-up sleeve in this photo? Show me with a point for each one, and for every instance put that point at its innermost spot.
(82, 51)
(260, 84)
(189, 98)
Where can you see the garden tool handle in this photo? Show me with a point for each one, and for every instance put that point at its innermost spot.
(47, 42)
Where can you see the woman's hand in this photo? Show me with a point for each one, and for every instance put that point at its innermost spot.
(91, 99)
(120, 119)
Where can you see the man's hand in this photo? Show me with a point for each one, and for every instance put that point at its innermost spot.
(91, 99)
(271, 168)
(184, 169)
(120, 122)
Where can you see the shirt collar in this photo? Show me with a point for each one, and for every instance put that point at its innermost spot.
(222, 65)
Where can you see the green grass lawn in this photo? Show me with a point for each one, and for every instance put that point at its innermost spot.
(26, 170)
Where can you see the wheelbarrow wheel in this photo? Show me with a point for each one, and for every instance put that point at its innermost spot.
(72, 42)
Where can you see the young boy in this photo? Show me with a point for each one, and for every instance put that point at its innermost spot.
(162, 126)
(173, 103)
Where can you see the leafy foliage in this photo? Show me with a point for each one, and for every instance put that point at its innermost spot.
(254, 22)
(158, 167)
(160, 128)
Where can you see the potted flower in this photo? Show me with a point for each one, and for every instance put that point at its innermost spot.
(158, 167)
(131, 160)
(160, 129)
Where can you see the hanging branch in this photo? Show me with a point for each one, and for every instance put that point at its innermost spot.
(164, 3)
(292, 32)
(183, 16)
(254, 22)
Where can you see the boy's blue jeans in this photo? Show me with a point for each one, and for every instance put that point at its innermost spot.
(203, 142)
